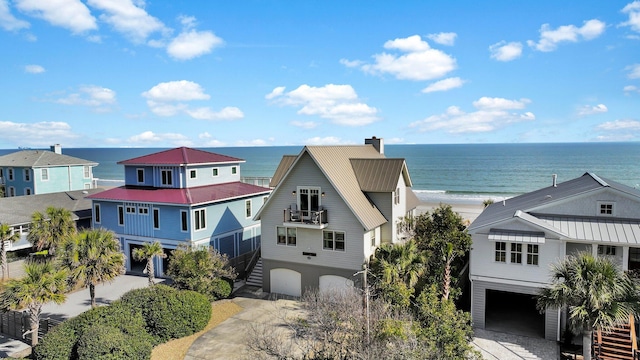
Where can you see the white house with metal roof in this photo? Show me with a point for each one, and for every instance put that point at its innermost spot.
(29, 172)
(516, 241)
(330, 208)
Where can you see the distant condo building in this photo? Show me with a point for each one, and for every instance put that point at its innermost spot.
(30, 172)
(182, 196)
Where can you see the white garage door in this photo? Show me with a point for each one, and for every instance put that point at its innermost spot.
(333, 282)
(285, 281)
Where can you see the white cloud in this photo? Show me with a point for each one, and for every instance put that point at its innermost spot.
(34, 69)
(37, 134)
(620, 125)
(549, 38)
(182, 90)
(128, 18)
(350, 63)
(308, 125)
(254, 142)
(68, 14)
(444, 85)
(149, 137)
(630, 89)
(275, 93)
(205, 113)
(329, 140)
(416, 61)
(192, 43)
(503, 51)
(491, 114)
(590, 110)
(97, 97)
(633, 9)
(444, 38)
(634, 71)
(209, 141)
(8, 21)
(337, 103)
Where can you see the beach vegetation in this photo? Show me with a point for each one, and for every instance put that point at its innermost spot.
(92, 257)
(596, 293)
(487, 202)
(201, 269)
(6, 236)
(149, 252)
(42, 283)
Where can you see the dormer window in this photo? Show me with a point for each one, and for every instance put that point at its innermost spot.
(140, 173)
(166, 177)
(192, 174)
(234, 170)
(605, 208)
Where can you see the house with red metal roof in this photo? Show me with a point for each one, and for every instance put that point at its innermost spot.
(182, 196)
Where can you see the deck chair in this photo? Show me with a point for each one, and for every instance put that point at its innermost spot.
(294, 213)
(317, 215)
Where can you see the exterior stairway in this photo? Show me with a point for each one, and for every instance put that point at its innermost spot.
(255, 279)
(618, 344)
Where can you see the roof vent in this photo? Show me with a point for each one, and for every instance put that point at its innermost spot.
(554, 179)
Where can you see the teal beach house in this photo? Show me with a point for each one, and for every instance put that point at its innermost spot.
(30, 172)
(181, 196)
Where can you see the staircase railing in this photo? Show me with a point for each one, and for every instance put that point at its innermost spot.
(634, 342)
(252, 263)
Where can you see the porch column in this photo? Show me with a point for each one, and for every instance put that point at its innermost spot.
(625, 258)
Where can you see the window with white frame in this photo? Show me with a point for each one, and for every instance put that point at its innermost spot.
(234, 170)
(87, 172)
(200, 219)
(10, 174)
(516, 253)
(143, 210)
(396, 196)
(44, 174)
(215, 172)
(374, 241)
(532, 254)
(27, 191)
(140, 175)
(501, 251)
(247, 208)
(192, 174)
(606, 250)
(156, 218)
(308, 200)
(333, 240)
(606, 208)
(12, 191)
(27, 174)
(286, 235)
(96, 213)
(120, 215)
(130, 209)
(184, 223)
(166, 177)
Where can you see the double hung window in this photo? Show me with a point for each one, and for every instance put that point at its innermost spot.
(333, 240)
(286, 236)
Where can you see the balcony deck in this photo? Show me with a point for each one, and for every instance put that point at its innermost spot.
(315, 219)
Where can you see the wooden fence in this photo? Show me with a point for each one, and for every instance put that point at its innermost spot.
(15, 323)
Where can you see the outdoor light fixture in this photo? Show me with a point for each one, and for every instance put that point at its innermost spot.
(322, 194)
(293, 193)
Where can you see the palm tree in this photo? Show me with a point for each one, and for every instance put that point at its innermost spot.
(50, 229)
(41, 284)
(149, 251)
(597, 294)
(92, 256)
(6, 235)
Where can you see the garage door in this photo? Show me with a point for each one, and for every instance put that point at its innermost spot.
(333, 282)
(285, 281)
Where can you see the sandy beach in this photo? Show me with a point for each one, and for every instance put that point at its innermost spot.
(468, 211)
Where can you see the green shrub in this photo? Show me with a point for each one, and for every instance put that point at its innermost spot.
(221, 289)
(62, 341)
(170, 313)
(102, 342)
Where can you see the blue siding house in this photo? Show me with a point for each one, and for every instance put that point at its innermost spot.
(182, 196)
(30, 172)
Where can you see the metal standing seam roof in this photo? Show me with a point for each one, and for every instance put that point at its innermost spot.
(516, 236)
(537, 200)
(379, 175)
(181, 156)
(596, 229)
(282, 169)
(181, 196)
(41, 158)
(18, 210)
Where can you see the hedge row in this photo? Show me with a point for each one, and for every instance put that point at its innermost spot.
(128, 328)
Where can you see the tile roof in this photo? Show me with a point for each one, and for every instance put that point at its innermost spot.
(185, 196)
(181, 156)
(18, 210)
(41, 158)
(538, 199)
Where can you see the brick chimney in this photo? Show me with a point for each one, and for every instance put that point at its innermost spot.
(377, 143)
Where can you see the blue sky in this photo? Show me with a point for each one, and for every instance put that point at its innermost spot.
(164, 73)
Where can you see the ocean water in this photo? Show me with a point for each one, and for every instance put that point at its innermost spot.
(460, 173)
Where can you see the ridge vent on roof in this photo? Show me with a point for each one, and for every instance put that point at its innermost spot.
(596, 178)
